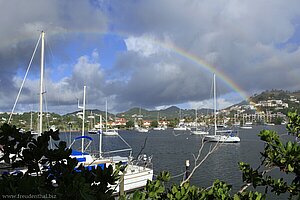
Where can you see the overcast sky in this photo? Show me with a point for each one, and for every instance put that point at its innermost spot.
(123, 51)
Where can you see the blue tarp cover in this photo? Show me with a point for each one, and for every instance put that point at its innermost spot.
(83, 137)
(78, 153)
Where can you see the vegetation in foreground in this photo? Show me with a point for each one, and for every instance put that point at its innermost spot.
(57, 174)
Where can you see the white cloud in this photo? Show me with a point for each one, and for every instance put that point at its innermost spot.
(144, 45)
(208, 103)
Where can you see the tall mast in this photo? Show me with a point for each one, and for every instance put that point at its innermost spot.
(41, 84)
(196, 119)
(31, 121)
(215, 104)
(106, 115)
(83, 119)
(100, 137)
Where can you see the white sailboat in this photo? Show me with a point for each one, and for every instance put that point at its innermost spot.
(198, 131)
(138, 128)
(109, 132)
(40, 115)
(222, 136)
(97, 129)
(92, 129)
(181, 125)
(159, 127)
(137, 172)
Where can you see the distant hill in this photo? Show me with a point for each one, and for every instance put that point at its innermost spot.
(168, 113)
(88, 112)
(172, 112)
(274, 94)
(291, 98)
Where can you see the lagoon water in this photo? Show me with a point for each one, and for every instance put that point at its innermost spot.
(171, 149)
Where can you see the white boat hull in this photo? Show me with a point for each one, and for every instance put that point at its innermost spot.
(110, 133)
(180, 129)
(136, 174)
(136, 177)
(222, 138)
(199, 132)
(142, 130)
(246, 127)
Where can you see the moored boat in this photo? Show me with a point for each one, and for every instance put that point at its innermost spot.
(137, 172)
(222, 136)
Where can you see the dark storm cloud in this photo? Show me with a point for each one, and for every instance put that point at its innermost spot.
(251, 42)
(233, 30)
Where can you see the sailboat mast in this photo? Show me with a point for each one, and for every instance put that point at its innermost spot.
(31, 121)
(215, 104)
(196, 119)
(100, 137)
(41, 84)
(180, 113)
(83, 118)
(106, 115)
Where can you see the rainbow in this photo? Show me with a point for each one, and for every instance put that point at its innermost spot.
(180, 52)
(202, 63)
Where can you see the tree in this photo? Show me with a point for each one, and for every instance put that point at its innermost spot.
(130, 124)
(284, 156)
(173, 122)
(278, 120)
(49, 171)
(154, 123)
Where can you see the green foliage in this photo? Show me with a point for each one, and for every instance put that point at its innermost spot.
(277, 154)
(154, 124)
(49, 171)
(218, 191)
(278, 120)
(130, 124)
(294, 124)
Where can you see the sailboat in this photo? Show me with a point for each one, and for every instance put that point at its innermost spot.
(108, 132)
(141, 129)
(138, 128)
(159, 127)
(181, 125)
(198, 131)
(92, 129)
(97, 129)
(40, 123)
(223, 136)
(137, 172)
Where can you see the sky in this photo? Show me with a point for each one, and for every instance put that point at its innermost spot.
(147, 53)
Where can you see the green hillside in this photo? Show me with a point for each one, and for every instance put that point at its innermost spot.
(72, 120)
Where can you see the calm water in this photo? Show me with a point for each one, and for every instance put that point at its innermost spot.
(170, 151)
